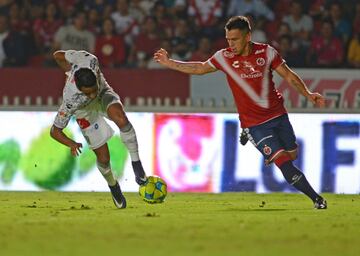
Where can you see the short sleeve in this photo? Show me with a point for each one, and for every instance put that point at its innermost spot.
(63, 116)
(275, 58)
(213, 60)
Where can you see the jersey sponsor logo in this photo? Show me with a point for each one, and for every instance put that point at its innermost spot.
(236, 64)
(259, 51)
(260, 61)
(253, 75)
(83, 123)
(247, 68)
(229, 54)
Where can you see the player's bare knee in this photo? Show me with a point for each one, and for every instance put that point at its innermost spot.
(117, 114)
(293, 154)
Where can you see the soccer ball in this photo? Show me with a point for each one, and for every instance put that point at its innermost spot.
(154, 190)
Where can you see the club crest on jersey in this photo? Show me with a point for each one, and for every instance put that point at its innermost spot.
(267, 150)
(228, 54)
(260, 61)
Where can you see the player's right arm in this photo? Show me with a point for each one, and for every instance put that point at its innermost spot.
(58, 134)
(62, 119)
(188, 67)
(60, 59)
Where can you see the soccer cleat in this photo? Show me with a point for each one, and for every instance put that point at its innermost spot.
(320, 203)
(140, 176)
(117, 196)
(243, 138)
(141, 180)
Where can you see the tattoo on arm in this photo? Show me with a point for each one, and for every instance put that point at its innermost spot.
(299, 85)
(189, 67)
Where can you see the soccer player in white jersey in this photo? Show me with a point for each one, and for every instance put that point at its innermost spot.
(89, 98)
(248, 67)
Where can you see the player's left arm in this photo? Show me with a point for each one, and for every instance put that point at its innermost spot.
(294, 80)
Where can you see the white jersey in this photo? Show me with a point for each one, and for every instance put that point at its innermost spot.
(73, 99)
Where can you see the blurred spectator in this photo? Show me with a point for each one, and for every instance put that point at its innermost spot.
(75, 36)
(165, 24)
(179, 9)
(283, 29)
(317, 9)
(280, 8)
(19, 22)
(255, 7)
(342, 27)
(94, 21)
(287, 51)
(146, 43)
(98, 5)
(257, 28)
(107, 12)
(183, 41)
(110, 48)
(301, 25)
(138, 11)
(356, 21)
(45, 28)
(353, 55)
(165, 44)
(3, 35)
(205, 14)
(125, 25)
(326, 50)
(67, 9)
(13, 50)
(203, 51)
(4, 6)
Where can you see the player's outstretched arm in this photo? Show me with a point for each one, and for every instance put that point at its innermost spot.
(58, 135)
(294, 80)
(60, 59)
(188, 67)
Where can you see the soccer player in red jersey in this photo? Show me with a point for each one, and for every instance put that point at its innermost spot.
(248, 67)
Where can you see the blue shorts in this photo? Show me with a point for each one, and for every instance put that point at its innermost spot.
(273, 137)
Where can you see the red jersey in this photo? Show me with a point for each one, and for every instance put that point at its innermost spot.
(250, 80)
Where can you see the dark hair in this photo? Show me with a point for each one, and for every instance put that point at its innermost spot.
(84, 77)
(238, 22)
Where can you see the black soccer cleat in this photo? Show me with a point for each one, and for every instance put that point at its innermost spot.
(243, 138)
(140, 176)
(117, 196)
(320, 203)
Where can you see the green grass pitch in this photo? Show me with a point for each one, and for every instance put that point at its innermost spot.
(64, 223)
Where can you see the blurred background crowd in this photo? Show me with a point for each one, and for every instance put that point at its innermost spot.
(124, 33)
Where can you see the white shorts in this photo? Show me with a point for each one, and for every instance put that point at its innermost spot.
(91, 119)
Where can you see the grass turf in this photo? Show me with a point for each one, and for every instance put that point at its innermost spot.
(59, 223)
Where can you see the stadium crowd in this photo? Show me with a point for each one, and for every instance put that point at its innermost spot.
(124, 33)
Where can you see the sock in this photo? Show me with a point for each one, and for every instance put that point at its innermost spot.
(106, 173)
(128, 136)
(296, 178)
(138, 169)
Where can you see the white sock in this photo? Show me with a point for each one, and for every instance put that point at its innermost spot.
(128, 136)
(106, 172)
